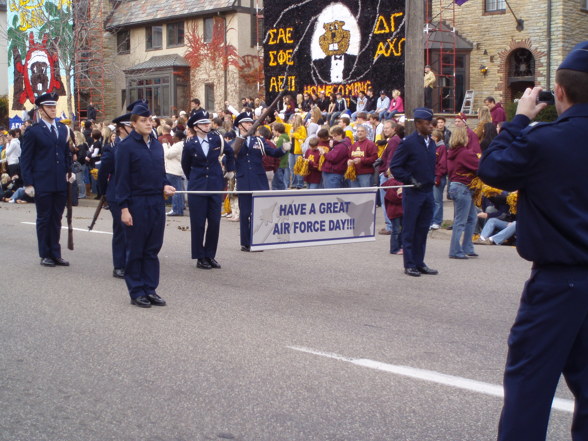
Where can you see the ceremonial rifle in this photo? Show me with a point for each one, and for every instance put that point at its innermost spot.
(240, 140)
(97, 212)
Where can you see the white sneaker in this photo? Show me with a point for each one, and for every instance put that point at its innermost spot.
(435, 226)
(170, 212)
(11, 201)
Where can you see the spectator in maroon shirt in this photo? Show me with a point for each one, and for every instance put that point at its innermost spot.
(496, 110)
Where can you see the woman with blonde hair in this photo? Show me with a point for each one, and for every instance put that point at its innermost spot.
(297, 132)
(484, 117)
(462, 165)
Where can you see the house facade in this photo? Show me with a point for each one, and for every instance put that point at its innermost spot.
(514, 44)
(171, 52)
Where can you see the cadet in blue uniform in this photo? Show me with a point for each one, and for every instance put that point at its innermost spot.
(547, 163)
(200, 163)
(45, 162)
(250, 172)
(106, 177)
(140, 187)
(414, 163)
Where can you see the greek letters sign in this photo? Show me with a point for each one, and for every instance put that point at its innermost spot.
(337, 46)
(297, 219)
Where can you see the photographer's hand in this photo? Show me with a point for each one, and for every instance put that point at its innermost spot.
(528, 105)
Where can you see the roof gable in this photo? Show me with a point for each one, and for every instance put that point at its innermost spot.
(135, 12)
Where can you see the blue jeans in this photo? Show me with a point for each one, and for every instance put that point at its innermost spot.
(438, 195)
(312, 186)
(332, 180)
(396, 236)
(464, 220)
(388, 115)
(177, 199)
(297, 180)
(279, 179)
(80, 177)
(383, 179)
(507, 230)
(362, 181)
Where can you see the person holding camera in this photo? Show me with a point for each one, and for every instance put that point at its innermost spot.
(546, 162)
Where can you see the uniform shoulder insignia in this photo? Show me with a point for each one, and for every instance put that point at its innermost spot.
(536, 125)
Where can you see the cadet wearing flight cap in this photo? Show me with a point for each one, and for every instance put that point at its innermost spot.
(106, 183)
(45, 162)
(414, 163)
(250, 172)
(140, 187)
(200, 163)
(547, 162)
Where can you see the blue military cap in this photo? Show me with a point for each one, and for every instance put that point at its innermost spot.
(123, 119)
(199, 117)
(134, 103)
(141, 109)
(423, 113)
(47, 99)
(243, 117)
(577, 59)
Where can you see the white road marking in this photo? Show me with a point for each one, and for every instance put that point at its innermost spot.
(431, 376)
(85, 230)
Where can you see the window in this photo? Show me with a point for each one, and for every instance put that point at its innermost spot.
(175, 34)
(154, 37)
(123, 42)
(209, 97)
(495, 5)
(167, 91)
(208, 29)
(585, 5)
(256, 30)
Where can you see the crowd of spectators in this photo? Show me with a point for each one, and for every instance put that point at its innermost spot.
(336, 142)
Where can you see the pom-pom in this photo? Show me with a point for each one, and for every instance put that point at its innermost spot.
(350, 172)
(511, 200)
(321, 162)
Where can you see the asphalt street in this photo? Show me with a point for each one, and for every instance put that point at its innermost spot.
(327, 343)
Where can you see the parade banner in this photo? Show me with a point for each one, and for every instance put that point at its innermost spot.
(40, 53)
(308, 218)
(337, 46)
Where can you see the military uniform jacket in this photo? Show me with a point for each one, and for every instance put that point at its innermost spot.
(106, 172)
(140, 169)
(415, 159)
(45, 159)
(249, 164)
(205, 172)
(546, 163)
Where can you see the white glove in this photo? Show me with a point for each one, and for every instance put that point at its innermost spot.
(230, 175)
(71, 179)
(30, 191)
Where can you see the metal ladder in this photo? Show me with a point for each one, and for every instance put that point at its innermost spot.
(468, 102)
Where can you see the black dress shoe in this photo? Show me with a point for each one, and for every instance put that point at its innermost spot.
(427, 270)
(412, 272)
(141, 302)
(119, 273)
(59, 261)
(46, 261)
(155, 300)
(245, 248)
(460, 257)
(472, 255)
(203, 264)
(213, 263)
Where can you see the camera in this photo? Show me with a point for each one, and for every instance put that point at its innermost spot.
(546, 96)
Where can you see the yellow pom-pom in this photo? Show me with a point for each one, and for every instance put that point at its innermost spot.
(476, 186)
(94, 173)
(511, 200)
(298, 165)
(227, 205)
(321, 161)
(488, 191)
(305, 169)
(350, 173)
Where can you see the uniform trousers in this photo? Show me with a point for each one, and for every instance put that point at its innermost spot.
(118, 236)
(245, 206)
(204, 209)
(144, 240)
(417, 209)
(549, 337)
(50, 206)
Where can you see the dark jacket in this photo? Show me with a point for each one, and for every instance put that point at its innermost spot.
(249, 164)
(44, 159)
(205, 172)
(414, 159)
(546, 163)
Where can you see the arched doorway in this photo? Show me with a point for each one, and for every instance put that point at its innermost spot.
(520, 72)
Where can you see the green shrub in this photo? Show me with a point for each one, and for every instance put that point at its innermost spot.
(546, 115)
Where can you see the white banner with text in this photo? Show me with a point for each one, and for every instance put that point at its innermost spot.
(306, 218)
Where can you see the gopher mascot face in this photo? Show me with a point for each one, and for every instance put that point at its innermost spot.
(335, 40)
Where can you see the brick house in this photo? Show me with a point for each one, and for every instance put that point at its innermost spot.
(505, 55)
(149, 42)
